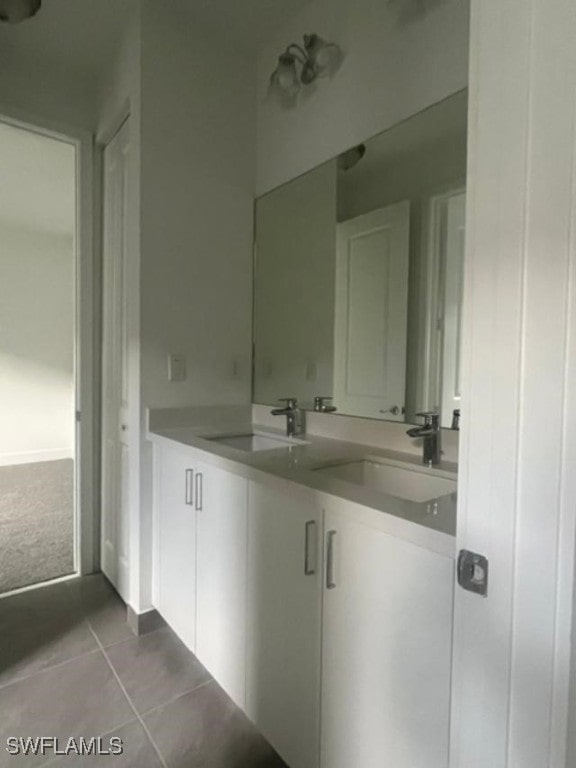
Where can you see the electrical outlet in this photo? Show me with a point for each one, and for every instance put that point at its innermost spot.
(176, 368)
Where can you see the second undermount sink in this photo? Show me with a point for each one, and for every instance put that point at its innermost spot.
(254, 441)
(405, 482)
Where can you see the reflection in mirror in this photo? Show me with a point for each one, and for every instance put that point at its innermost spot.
(358, 275)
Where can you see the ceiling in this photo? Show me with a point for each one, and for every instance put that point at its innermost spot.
(248, 22)
(37, 189)
(84, 34)
(78, 34)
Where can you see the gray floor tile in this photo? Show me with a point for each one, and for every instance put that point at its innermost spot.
(156, 668)
(204, 729)
(138, 752)
(39, 629)
(102, 607)
(79, 698)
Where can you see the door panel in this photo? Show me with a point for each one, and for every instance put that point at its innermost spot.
(115, 422)
(176, 577)
(371, 312)
(284, 613)
(222, 503)
(386, 659)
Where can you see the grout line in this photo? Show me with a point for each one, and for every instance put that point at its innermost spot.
(126, 639)
(130, 702)
(54, 758)
(179, 696)
(49, 669)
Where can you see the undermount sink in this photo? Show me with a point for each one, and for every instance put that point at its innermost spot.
(254, 442)
(405, 482)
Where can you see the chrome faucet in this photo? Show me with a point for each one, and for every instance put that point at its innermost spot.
(294, 416)
(430, 432)
(321, 406)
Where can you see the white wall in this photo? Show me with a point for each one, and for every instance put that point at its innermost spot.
(198, 125)
(396, 64)
(52, 94)
(36, 345)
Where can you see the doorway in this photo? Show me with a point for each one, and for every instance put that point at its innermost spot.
(39, 353)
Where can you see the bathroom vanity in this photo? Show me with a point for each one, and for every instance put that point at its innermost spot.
(313, 578)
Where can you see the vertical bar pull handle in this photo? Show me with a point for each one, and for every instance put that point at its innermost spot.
(199, 490)
(310, 549)
(188, 493)
(330, 583)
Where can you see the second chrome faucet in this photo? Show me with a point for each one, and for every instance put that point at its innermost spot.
(430, 432)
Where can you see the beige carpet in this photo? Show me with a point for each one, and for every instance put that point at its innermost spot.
(36, 523)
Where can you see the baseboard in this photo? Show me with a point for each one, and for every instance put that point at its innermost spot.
(34, 457)
(142, 623)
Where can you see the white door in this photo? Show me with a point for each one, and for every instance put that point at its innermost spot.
(453, 275)
(387, 647)
(221, 499)
(176, 545)
(371, 313)
(284, 629)
(115, 455)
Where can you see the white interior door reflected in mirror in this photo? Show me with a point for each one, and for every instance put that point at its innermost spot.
(371, 313)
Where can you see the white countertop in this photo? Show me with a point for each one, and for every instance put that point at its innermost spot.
(430, 525)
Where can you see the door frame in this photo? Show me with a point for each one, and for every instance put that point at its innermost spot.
(86, 462)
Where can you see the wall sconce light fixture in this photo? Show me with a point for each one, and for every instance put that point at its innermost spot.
(299, 65)
(15, 11)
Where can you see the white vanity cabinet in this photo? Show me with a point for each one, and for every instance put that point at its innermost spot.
(284, 622)
(332, 634)
(221, 500)
(387, 638)
(175, 535)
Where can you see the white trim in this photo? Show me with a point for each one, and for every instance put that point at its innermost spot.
(35, 457)
(85, 325)
(41, 585)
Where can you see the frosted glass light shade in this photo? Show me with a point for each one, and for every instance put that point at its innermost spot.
(324, 57)
(285, 77)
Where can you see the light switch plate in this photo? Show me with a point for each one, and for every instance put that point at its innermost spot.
(176, 368)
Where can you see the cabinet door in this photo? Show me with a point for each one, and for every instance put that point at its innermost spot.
(387, 638)
(176, 520)
(221, 501)
(284, 623)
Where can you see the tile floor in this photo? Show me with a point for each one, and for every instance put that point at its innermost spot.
(71, 667)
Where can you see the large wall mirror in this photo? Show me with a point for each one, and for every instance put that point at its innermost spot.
(358, 275)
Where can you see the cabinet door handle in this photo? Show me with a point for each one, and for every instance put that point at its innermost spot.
(199, 490)
(188, 493)
(310, 549)
(330, 583)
